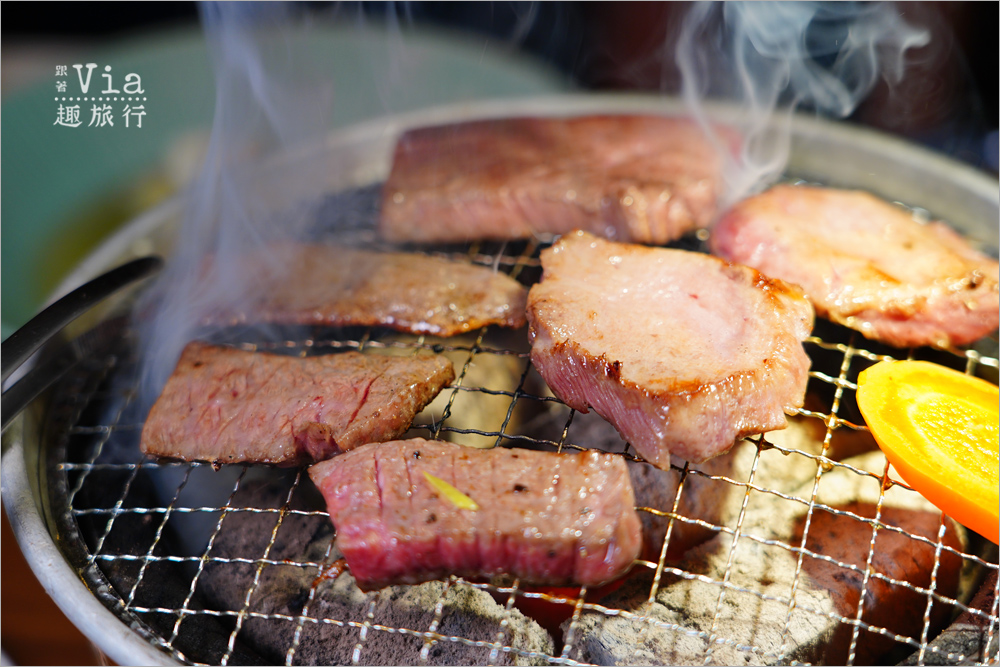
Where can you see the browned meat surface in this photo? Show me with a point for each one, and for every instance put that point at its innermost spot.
(547, 518)
(682, 352)
(339, 286)
(866, 264)
(647, 179)
(225, 405)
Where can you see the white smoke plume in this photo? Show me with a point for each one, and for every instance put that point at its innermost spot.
(268, 103)
(769, 59)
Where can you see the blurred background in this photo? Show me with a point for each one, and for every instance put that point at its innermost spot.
(67, 187)
(64, 189)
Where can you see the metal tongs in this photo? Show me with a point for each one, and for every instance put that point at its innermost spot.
(23, 343)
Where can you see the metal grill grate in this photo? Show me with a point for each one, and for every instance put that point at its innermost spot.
(147, 541)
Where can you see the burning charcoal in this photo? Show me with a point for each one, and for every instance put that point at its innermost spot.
(466, 612)
(704, 500)
(164, 584)
(753, 609)
(965, 640)
(470, 416)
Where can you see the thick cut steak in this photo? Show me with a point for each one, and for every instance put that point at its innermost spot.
(682, 352)
(547, 518)
(292, 283)
(225, 405)
(866, 264)
(647, 179)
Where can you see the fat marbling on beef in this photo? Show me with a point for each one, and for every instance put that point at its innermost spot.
(225, 405)
(866, 264)
(294, 283)
(646, 179)
(682, 352)
(546, 517)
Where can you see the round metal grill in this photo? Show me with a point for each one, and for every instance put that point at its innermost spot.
(194, 558)
(239, 565)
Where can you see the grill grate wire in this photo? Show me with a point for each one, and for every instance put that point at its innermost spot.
(110, 448)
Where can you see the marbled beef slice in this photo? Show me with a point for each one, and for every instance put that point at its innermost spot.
(547, 518)
(226, 405)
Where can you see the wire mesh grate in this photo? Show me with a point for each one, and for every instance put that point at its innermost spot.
(195, 558)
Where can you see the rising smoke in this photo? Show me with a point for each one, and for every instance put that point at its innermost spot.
(767, 58)
(770, 59)
(268, 103)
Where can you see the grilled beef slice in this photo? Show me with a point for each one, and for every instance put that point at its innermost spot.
(866, 264)
(547, 518)
(292, 283)
(646, 179)
(226, 405)
(304, 579)
(682, 352)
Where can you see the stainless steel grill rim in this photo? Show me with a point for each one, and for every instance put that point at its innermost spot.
(74, 476)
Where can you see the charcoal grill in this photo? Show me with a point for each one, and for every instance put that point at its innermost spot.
(125, 545)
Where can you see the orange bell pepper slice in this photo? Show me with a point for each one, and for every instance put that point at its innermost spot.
(939, 429)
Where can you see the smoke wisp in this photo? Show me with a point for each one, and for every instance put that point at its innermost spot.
(769, 59)
(267, 104)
